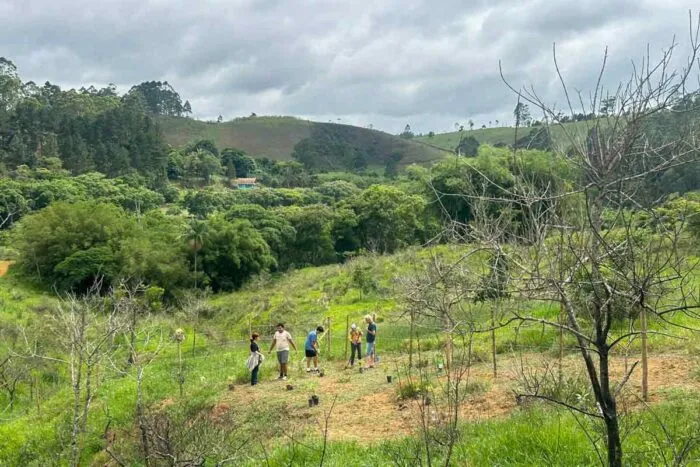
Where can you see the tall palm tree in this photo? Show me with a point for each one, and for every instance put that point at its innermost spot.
(195, 236)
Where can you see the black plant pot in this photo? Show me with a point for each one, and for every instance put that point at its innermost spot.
(315, 400)
(388, 378)
(311, 401)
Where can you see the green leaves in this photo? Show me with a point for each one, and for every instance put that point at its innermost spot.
(71, 244)
(387, 218)
(87, 129)
(232, 253)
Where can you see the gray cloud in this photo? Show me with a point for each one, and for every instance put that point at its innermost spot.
(385, 62)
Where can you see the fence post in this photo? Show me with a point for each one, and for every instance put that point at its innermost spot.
(562, 322)
(645, 367)
(329, 337)
(347, 332)
(493, 341)
(250, 328)
(410, 343)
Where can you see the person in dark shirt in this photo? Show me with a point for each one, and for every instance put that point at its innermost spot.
(255, 353)
(371, 339)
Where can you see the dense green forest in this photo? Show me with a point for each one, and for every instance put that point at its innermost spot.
(153, 200)
(507, 272)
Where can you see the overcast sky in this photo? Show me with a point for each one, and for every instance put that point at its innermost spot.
(384, 62)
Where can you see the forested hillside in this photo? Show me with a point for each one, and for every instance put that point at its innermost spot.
(79, 131)
(327, 146)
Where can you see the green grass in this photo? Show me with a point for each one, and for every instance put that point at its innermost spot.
(503, 135)
(272, 137)
(536, 436)
(275, 137)
(304, 299)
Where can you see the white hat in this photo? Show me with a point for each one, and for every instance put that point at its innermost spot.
(354, 326)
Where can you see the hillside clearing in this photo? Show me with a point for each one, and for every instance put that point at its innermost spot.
(275, 137)
(356, 394)
(504, 135)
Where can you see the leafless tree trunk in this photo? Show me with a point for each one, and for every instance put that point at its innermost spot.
(436, 292)
(11, 374)
(582, 246)
(145, 344)
(84, 327)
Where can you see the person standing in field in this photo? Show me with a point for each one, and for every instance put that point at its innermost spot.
(281, 341)
(371, 340)
(355, 344)
(311, 348)
(255, 359)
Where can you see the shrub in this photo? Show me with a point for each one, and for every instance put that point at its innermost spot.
(411, 389)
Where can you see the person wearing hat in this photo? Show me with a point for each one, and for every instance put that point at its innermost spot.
(355, 344)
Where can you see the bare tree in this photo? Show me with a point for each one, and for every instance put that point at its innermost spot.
(12, 373)
(598, 248)
(324, 425)
(436, 292)
(493, 288)
(84, 327)
(194, 305)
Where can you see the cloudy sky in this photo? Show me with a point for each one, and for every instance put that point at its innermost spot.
(384, 62)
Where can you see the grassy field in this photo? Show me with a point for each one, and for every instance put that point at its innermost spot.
(504, 135)
(367, 420)
(275, 137)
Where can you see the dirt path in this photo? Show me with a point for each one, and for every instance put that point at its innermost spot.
(4, 266)
(358, 396)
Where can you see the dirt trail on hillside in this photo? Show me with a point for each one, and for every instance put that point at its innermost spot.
(367, 405)
(5, 266)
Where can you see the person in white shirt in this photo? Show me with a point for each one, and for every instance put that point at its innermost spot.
(281, 340)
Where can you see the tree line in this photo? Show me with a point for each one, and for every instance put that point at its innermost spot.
(85, 130)
(68, 231)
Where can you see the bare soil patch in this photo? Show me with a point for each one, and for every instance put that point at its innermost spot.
(366, 408)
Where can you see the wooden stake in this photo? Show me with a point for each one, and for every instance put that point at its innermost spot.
(410, 344)
(329, 337)
(561, 345)
(493, 341)
(645, 367)
(448, 345)
(347, 332)
(448, 351)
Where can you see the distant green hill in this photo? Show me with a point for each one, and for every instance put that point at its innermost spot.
(503, 135)
(275, 138)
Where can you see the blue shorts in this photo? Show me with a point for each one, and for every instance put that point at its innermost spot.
(370, 349)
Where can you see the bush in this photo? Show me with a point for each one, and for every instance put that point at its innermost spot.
(154, 298)
(477, 387)
(412, 389)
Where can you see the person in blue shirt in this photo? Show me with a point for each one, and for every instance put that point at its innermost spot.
(371, 340)
(311, 348)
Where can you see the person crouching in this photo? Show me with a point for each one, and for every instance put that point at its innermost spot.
(311, 348)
